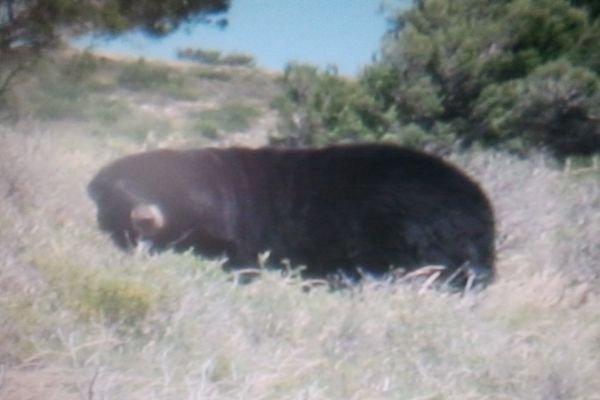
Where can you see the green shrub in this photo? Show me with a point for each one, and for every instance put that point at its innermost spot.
(318, 107)
(202, 56)
(556, 106)
(114, 299)
(95, 294)
(215, 57)
(517, 74)
(237, 59)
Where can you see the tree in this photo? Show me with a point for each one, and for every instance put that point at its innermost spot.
(556, 106)
(29, 26)
(592, 6)
(215, 57)
(317, 107)
(499, 72)
(40, 23)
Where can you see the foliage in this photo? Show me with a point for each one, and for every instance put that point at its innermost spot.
(511, 73)
(115, 299)
(237, 59)
(98, 295)
(215, 57)
(202, 56)
(40, 23)
(557, 105)
(591, 6)
(516, 73)
(317, 107)
(28, 27)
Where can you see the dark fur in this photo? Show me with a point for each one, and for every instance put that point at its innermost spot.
(337, 209)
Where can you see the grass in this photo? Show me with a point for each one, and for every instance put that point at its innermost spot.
(230, 117)
(81, 320)
(141, 100)
(144, 76)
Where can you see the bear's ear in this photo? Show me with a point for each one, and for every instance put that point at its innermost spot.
(147, 219)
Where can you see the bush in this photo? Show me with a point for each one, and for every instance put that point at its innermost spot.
(114, 299)
(97, 295)
(517, 74)
(318, 107)
(237, 59)
(202, 56)
(215, 57)
(557, 106)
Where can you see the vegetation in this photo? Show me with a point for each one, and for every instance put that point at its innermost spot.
(509, 72)
(591, 6)
(29, 27)
(232, 117)
(81, 320)
(317, 107)
(42, 23)
(215, 57)
(139, 100)
(514, 74)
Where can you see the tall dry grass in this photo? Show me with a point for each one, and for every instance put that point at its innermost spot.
(80, 320)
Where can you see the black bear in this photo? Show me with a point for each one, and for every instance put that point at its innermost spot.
(341, 210)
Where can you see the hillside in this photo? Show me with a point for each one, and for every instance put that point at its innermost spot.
(81, 320)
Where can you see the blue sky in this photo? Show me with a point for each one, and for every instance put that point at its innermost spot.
(345, 33)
